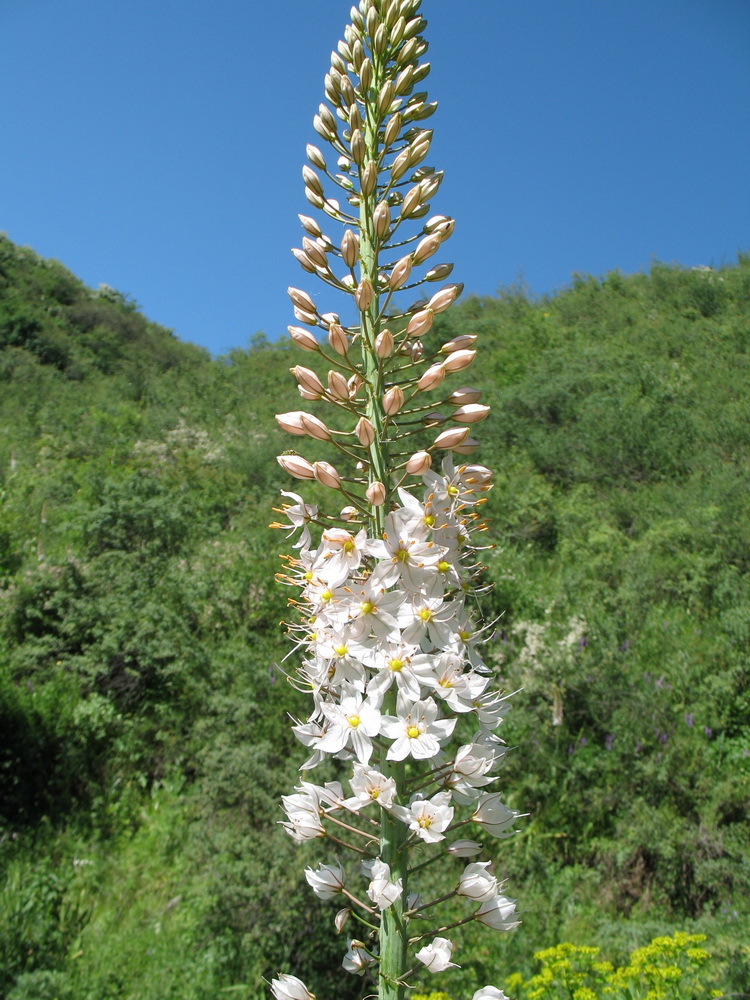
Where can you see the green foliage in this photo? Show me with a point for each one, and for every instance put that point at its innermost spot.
(143, 724)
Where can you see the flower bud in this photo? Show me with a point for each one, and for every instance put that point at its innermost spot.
(400, 165)
(290, 988)
(337, 386)
(393, 400)
(327, 118)
(392, 130)
(461, 343)
(445, 297)
(302, 300)
(416, 351)
(315, 252)
(306, 394)
(381, 218)
(400, 272)
(464, 396)
(291, 422)
(358, 148)
(355, 383)
(376, 494)
(365, 73)
(315, 427)
(450, 438)
(341, 918)
(458, 360)
(466, 447)
(431, 378)
(464, 848)
(420, 323)
(315, 156)
(471, 413)
(369, 179)
(316, 200)
(296, 466)
(438, 272)
(412, 201)
(338, 339)
(426, 247)
(303, 338)
(384, 344)
(305, 317)
(326, 475)
(364, 295)
(308, 380)
(419, 463)
(304, 261)
(350, 248)
(365, 432)
(311, 179)
(322, 129)
(348, 512)
(310, 226)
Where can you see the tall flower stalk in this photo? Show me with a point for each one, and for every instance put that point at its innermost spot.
(385, 629)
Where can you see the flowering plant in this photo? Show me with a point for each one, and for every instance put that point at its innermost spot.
(390, 646)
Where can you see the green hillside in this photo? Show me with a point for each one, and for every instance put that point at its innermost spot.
(144, 730)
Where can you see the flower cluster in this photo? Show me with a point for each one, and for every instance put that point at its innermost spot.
(385, 628)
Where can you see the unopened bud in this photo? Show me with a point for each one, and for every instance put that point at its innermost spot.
(291, 422)
(302, 300)
(348, 512)
(310, 226)
(458, 360)
(466, 447)
(315, 156)
(416, 351)
(431, 378)
(358, 148)
(400, 272)
(392, 130)
(305, 317)
(376, 494)
(445, 297)
(350, 248)
(412, 201)
(419, 463)
(393, 400)
(464, 848)
(322, 129)
(338, 339)
(380, 41)
(384, 344)
(426, 247)
(337, 386)
(465, 396)
(381, 218)
(341, 918)
(461, 343)
(364, 295)
(315, 252)
(304, 261)
(400, 165)
(303, 338)
(369, 178)
(315, 427)
(450, 438)
(296, 466)
(327, 475)
(308, 380)
(439, 272)
(355, 383)
(471, 413)
(311, 179)
(420, 323)
(365, 432)
(365, 73)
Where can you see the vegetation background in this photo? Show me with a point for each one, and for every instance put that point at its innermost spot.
(144, 738)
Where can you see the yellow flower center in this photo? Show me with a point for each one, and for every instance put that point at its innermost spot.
(307, 576)
(425, 614)
(403, 555)
(445, 682)
(353, 721)
(429, 520)
(367, 607)
(443, 566)
(326, 595)
(452, 491)
(463, 635)
(374, 793)
(425, 821)
(395, 664)
(349, 545)
(412, 732)
(341, 650)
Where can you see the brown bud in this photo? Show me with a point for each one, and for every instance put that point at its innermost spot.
(296, 466)
(381, 218)
(416, 350)
(303, 260)
(439, 272)
(365, 432)
(450, 438)
(305, 317)
(376, 493)
(358, 148)
(303, 338)
(392, 130)
(466, 447)
(419, 463)
(464, 396)
(315, 427)
(327, 475)
(393, 400)
(426, 247)
(337, 386)
(315, 156)
(369, 178)
(315, 252)
(310, 226)
(445, 297)
(291, 422)
(384, 344)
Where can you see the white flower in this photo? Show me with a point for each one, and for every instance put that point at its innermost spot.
(489, 993)
(303, 815)
(428, 818)
(342, 553)
(299, 514)
(437, 956)
(290, 988)
(497, 913)
(327, 881)
(494, 816)
(353, 721)
(357, 958)
(464, 848)
(369, 786)
(416, 731)
(476, 883)
(381, 890)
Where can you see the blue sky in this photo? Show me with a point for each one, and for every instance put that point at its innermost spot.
(157, 145)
